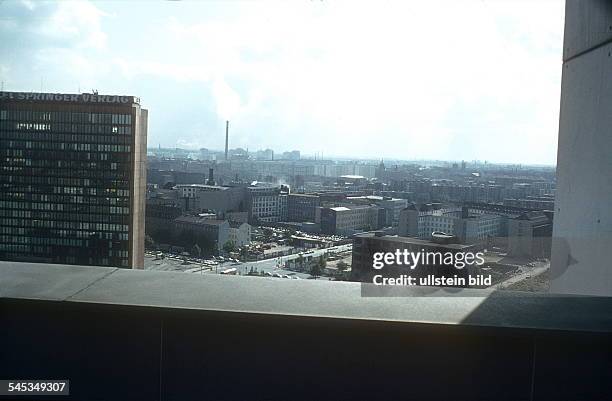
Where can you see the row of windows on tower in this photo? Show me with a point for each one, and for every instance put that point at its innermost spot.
(65, 117)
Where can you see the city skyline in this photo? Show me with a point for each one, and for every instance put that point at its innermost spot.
(345, 79)
(320, 156)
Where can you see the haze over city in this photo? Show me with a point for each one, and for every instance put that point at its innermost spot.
(365, 80)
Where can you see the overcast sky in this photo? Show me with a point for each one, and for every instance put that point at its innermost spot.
(451, 80)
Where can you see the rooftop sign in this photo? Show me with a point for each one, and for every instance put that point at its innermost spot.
(69, 98)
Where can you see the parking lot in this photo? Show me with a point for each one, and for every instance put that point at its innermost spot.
(219, 265)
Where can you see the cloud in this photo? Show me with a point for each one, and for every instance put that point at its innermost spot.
(69, 24)
(449, 80)
(77, 23)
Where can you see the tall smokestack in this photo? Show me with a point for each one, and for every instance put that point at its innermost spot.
(226, 138)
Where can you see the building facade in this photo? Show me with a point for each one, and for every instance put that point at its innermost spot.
(530, 235)
(302, 207)
(215, 231)
(392, 206)
(221, 199)
(348, 220)
(266, 203)
(239, 233)
(72, 179)
(469, 226)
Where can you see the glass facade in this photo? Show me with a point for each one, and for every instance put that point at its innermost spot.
(67, 174)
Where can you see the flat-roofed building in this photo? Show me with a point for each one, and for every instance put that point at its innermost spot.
(392, 206)
(72, 179)
(533, 202)
(350, 219)
(302, 207)
(530, 235)
(221, 199)
(214, 230)
(239, 233)
(266, 202)
(469, 226)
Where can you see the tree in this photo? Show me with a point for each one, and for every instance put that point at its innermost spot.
(149, 243)
(196, 251)
(267, 233)
(342, 267)
(244, 253)
(322, 262)
(229, 246)
(317, 268)
(206, 245)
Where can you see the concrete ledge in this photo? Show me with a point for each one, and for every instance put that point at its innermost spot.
(308, 298)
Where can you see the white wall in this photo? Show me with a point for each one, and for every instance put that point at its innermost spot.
(582, 235)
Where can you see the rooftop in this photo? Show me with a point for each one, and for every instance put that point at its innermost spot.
(205, 221)
(203, 187)
(84, 98)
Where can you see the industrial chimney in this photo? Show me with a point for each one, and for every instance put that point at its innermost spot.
(226, 137)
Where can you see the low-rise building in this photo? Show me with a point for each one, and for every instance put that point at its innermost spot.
(469, 226)
(218, 198)
(530, 235)
(302, 207)
(348, 220)
(533, 202)
(392, 206)
(266, 203)
(239, 233)
(216, 231)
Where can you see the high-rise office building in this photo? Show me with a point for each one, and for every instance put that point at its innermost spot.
(72, 179)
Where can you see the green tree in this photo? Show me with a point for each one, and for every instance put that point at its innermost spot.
(317, 268)
(342, 267)
(196, 251)
(244, 253)
(229, 246)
